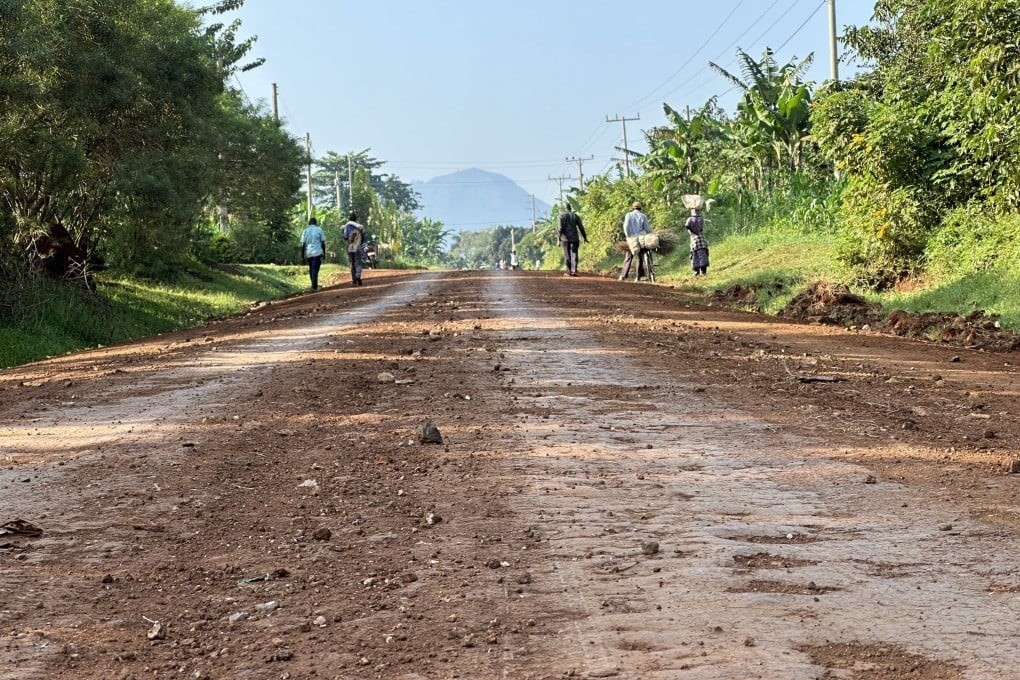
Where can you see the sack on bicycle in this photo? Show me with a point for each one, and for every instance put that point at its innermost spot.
(646, 241)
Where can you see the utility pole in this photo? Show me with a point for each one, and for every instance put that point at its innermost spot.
(580, 169)
(276, 105)
(350, 183)
(560, 181)
(626, 150)
(308, 151)
(833, 57)
(336, 185)
(534, 218)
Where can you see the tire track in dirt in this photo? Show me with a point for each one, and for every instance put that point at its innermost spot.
(762, 550)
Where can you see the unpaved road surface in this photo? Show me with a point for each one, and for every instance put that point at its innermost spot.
(631, 484)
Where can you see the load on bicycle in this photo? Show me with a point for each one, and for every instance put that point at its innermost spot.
(640, 241)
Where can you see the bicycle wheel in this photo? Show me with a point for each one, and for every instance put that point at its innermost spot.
(649, 266)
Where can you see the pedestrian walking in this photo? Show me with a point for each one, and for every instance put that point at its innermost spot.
(635, 223)
(695, 224)
(571, 233)
(313, 249)
(354, 234)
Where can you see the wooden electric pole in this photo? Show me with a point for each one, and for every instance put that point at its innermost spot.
(580, 169)
(626, 150)
(308, 152)
(560, 180)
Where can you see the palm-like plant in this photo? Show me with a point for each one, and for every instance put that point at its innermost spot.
(774, 115)
(673, 158)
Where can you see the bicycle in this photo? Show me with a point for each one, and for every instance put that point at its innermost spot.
(646, 264)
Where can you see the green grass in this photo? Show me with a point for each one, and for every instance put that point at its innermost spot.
(775, 265)
(53, 319)
(994, 291)
(778, 266)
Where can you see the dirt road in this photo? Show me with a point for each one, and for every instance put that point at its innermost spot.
(630, 484)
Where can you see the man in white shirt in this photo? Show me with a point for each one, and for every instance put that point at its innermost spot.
(635, 223)
(313, 249)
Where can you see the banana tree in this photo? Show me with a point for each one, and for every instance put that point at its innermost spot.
(774, 116)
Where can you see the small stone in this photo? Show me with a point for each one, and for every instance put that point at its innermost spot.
(650, 547)
(749, 642)
(385, 377)
(237, 616)
(945, 526)
(320, 621)
(955, 360)
(322, 534)
(989, 434)
(157, 632)
(1013, 466)
(428, 433)
(267, 607)
(870, 479)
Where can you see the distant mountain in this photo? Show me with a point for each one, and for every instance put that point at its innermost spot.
(472, 200)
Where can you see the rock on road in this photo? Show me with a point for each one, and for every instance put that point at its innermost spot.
(624, 482)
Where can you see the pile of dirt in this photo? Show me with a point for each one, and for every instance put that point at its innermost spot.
(832, 304)
(976, 329)
(736, 295)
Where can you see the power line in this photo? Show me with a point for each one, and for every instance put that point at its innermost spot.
(726, 49)
(801, 27)
(689, 59)
(733, 61)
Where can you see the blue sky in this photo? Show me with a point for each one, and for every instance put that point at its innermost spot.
(513, 87)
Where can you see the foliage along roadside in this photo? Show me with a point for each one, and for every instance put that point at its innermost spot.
(56, 319)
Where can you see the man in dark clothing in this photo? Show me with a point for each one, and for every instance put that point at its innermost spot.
(571, 233)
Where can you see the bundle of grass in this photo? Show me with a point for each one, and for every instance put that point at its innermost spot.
(662, 242)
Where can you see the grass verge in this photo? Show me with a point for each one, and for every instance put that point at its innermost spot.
(777, 266)
(53, 319)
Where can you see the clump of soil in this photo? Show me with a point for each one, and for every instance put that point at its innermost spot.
(869, 661)
(744, 297)
(832, 304)
(976, 329)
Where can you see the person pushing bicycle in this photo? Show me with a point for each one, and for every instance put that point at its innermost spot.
(635, 224)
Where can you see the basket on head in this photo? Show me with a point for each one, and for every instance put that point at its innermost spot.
(694, 202)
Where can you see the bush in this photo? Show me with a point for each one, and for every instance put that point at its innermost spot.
(884, 232)
(968, 241)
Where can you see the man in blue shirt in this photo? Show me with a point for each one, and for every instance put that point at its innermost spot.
(313, 249)
(635, 223)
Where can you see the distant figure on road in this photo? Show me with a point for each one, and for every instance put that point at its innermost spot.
(354, 233)
(635, 223)
(571, 233)
(515, 264)
(699, 244)
(313, 249)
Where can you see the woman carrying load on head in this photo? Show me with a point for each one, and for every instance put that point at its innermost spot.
(695, 224)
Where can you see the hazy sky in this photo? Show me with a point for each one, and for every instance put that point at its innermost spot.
(514, 87)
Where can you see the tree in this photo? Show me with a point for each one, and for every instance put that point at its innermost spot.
(108, 113)
(334, 171)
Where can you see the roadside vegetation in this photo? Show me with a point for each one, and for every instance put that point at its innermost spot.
(58, 319)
